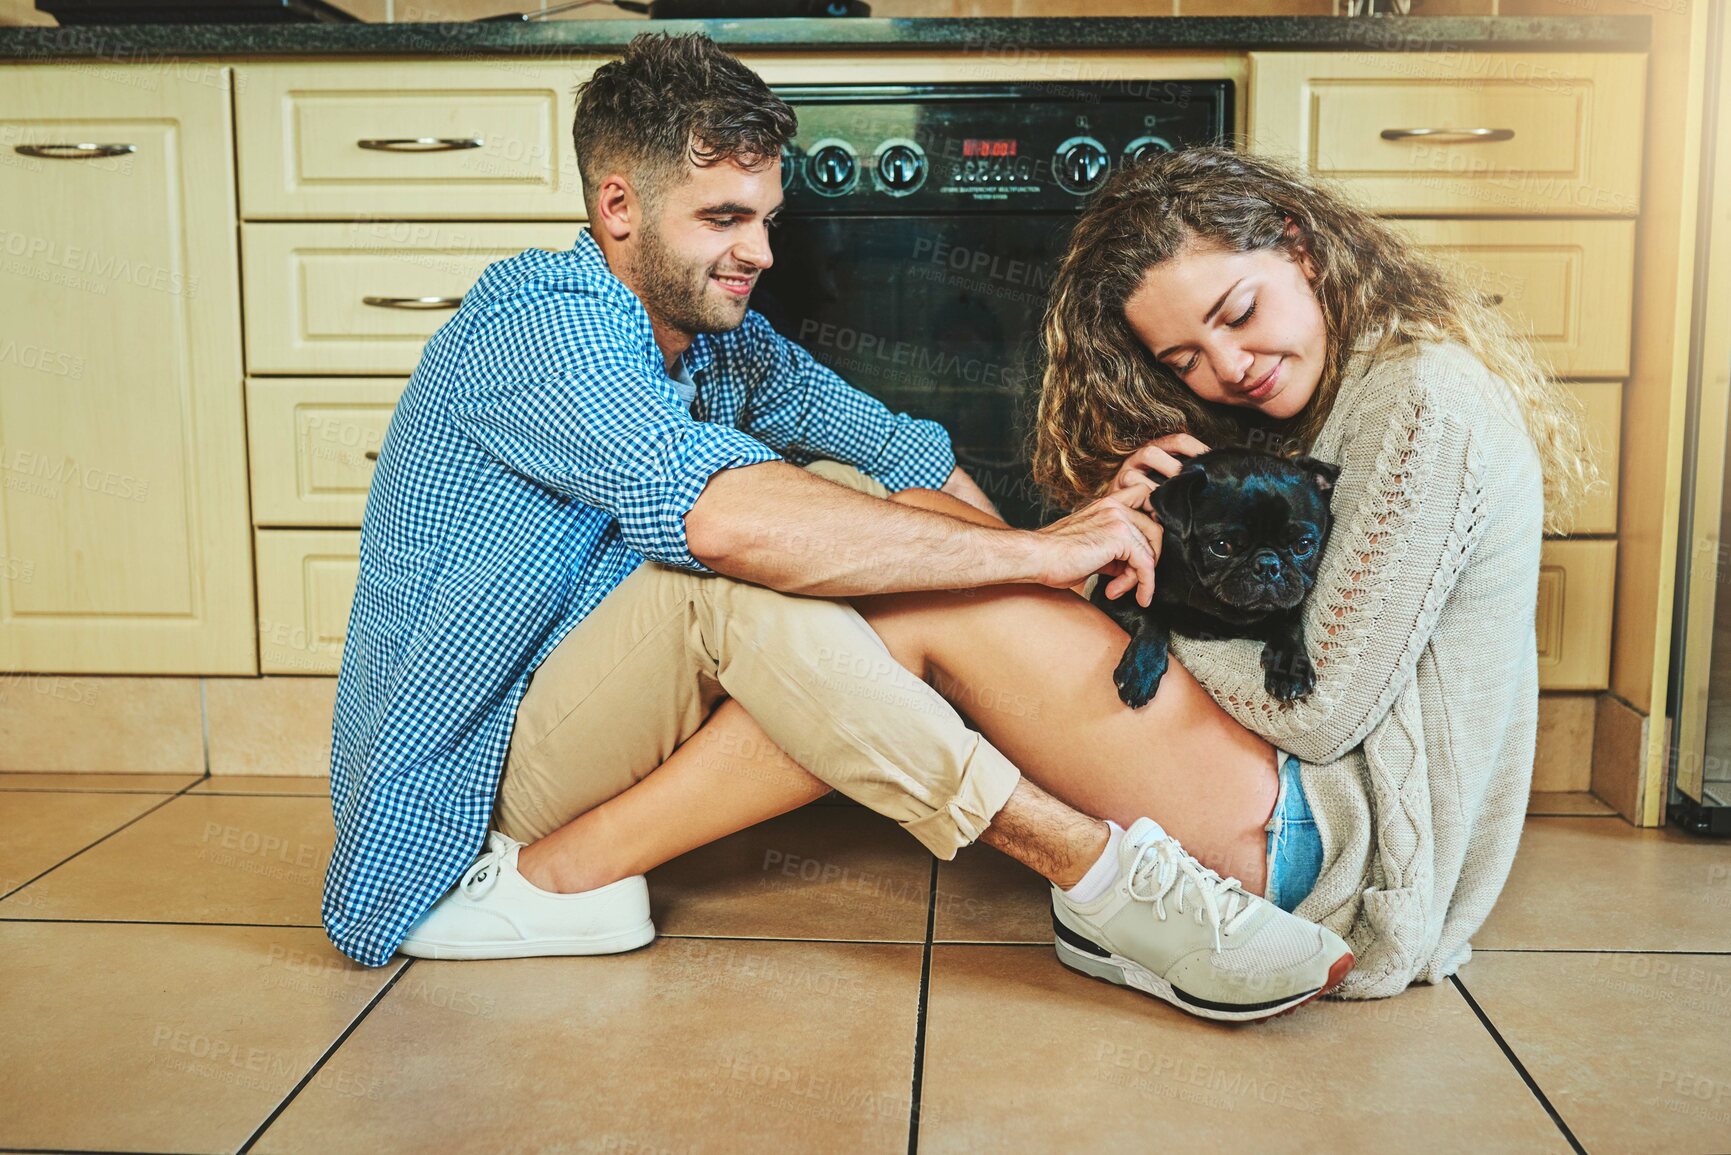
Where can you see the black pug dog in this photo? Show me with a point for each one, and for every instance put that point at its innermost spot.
(1244, 535)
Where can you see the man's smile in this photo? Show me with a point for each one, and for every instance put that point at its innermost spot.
(738, 284)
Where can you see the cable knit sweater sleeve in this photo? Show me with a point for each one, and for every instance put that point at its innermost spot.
(1407, 508)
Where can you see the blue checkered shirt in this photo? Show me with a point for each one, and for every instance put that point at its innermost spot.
(539, 453)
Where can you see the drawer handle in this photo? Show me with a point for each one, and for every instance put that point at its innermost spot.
(74, 151)
(1450, 135)
(423, 144)
(412, 302)
(371, 455)
(1492, 299)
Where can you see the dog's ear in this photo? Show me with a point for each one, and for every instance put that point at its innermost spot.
(1173, 498)
(1321, 472)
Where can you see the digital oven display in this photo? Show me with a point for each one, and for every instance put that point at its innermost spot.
(988, 148)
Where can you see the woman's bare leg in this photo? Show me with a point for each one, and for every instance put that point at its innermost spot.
(1031, 669)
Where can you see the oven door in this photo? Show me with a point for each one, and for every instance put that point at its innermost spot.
(938, 316)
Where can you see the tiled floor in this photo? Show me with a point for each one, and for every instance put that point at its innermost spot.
(820, 986)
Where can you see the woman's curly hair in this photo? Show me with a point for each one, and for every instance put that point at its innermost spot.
(1104, 395)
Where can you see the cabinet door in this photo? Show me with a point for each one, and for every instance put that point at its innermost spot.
(1461, 133)
(123, 509)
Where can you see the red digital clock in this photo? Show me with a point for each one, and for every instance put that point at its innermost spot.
(988, 148)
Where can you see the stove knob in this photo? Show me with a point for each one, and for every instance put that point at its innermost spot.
(901, 167)
(832, 168)
(1082, 164)
(1144, 147)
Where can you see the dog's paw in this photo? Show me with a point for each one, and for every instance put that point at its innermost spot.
(1138, 675)
(1287, 676)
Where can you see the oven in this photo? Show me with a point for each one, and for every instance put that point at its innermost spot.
(922, 227)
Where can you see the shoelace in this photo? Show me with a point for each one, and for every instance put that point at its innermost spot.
(1165, 863)
(483, 875)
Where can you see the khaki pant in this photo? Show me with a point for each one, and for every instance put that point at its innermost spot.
(642, 672)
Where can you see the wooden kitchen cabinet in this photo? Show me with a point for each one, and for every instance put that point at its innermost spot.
(1432, 131)
(362, 297)
(123, 485)
(427, 139)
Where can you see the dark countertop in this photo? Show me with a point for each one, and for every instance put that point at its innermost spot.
(1008, 36)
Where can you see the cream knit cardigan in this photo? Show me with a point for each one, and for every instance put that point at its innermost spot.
(1416, 747)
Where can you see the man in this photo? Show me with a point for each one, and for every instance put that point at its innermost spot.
(587, 530)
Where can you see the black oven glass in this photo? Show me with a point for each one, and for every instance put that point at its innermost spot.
(922, 228)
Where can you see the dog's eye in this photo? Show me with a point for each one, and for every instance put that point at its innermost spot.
(1303, 546)
(1220, 547)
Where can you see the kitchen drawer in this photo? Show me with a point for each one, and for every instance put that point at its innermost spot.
(308, 288)
(1569, 283)
(1603, 402)
(313, 444)
(1577, 580)
(306, 584)
(1476, 133)
(468, 141)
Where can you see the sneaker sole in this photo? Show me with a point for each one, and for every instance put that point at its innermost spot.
(606, 944)
(1125, 972)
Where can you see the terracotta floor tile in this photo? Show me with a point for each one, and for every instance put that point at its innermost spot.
(162, 1038)
(1631, 1049)
(986, 896)
(1601, 884)
(819, 872)
(100, 783)
(1023, 1055)
(319, 787)
(42, 829)
(1567, 804)
(198, 859)
(687, 1045)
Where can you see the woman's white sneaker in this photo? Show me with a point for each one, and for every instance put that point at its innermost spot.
(1170, 927)
(494, 912)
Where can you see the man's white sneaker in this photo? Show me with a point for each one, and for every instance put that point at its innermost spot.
(1170, 927)
(494, 912)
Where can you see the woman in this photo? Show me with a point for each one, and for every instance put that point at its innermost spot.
(1227, 296)
(1209, 297)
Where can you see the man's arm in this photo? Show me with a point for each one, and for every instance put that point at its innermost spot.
(783, 527)
(803, 410)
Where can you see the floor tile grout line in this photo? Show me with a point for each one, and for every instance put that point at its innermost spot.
(323, 1059)
(920, 1016)
(137, 818)
(1520, 1067)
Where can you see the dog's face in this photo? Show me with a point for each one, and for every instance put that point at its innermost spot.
(1249, 525)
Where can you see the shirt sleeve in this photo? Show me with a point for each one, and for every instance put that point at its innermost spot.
(1408, 507)
(803, 409)
(558, 393)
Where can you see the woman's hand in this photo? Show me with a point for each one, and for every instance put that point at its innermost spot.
(1139, 469)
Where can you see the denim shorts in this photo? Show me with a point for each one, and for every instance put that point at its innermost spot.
(1294, 846)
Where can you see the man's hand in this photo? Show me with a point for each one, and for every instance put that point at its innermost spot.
(960, 485)
(1109, 536)
(1137, 474)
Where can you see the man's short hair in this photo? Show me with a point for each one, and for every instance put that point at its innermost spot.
(668, 101)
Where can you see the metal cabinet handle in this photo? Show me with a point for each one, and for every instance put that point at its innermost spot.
(423, 144)
(371, 455)
(1450, 135)
(412, 302)
(74, 151)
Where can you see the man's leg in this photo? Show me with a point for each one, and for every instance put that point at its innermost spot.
(618, 696)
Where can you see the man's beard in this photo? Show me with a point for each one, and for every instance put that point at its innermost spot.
(678, 294)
